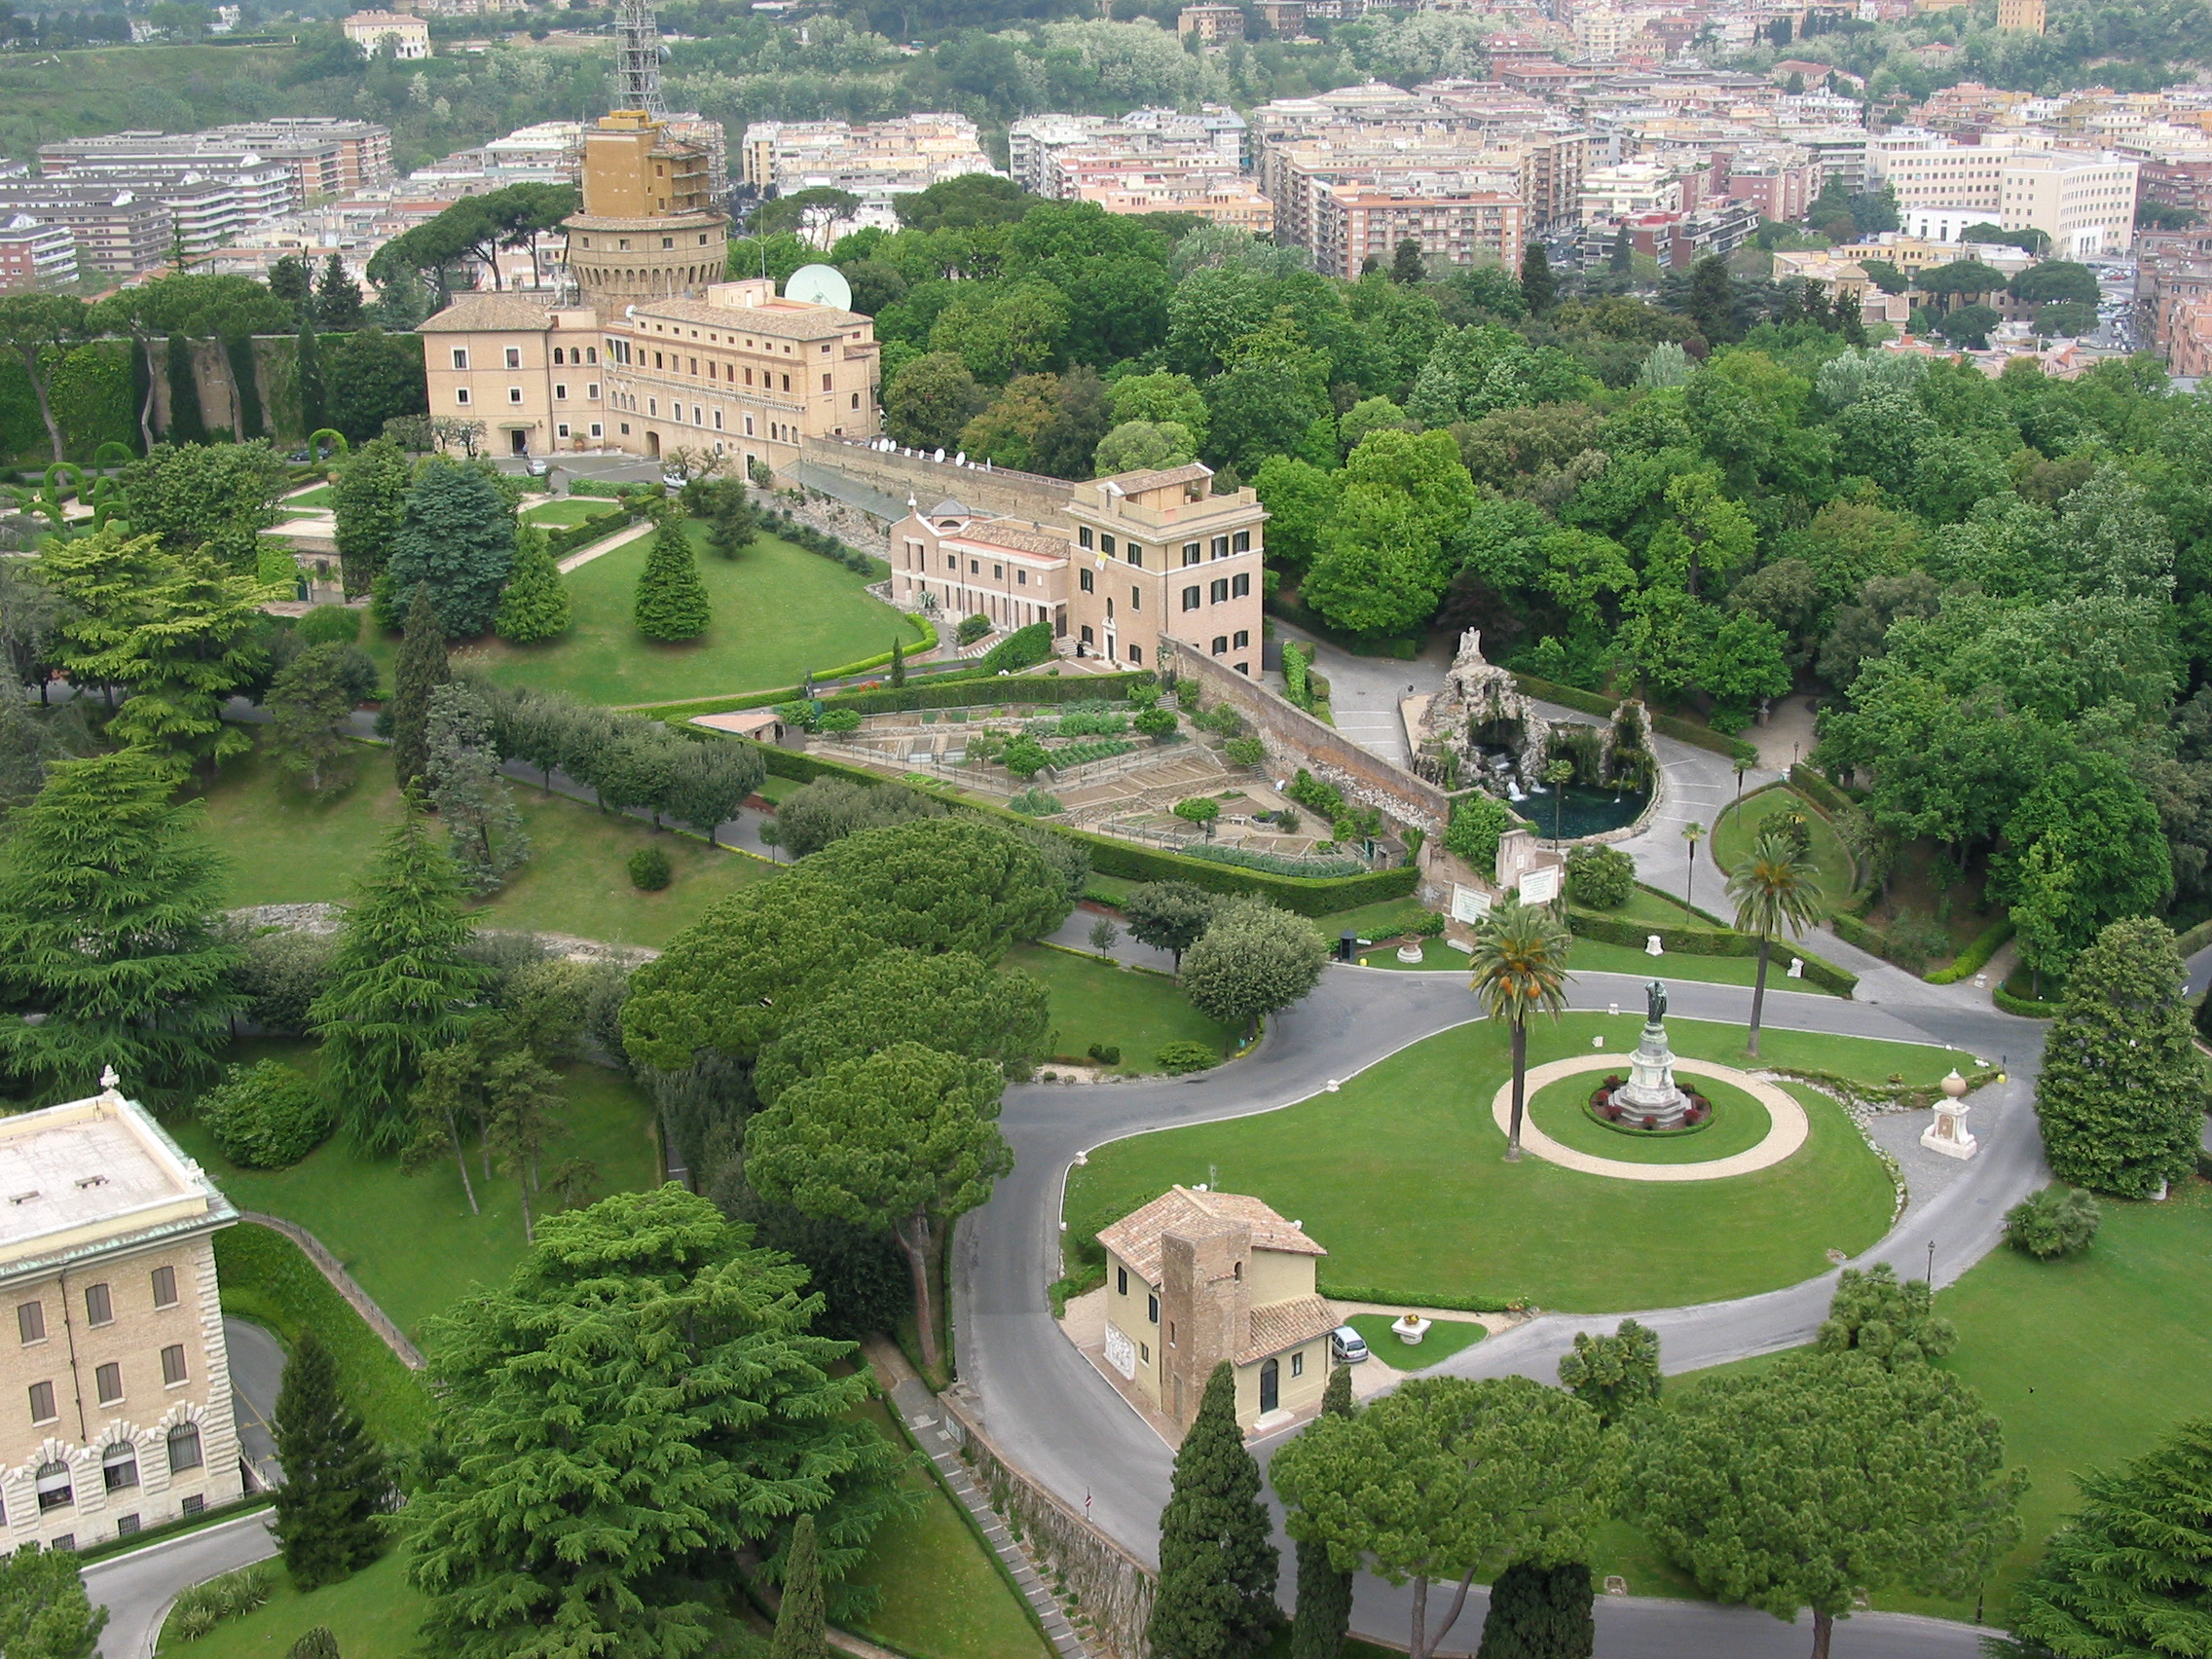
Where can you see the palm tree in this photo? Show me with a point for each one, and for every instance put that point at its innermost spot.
(1692, 832)
(1520, 969)
(1775, 885)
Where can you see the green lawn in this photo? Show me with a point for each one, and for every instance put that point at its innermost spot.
(569, 511)
(288, 848)
(1401, 1175)
(316, 498)
(779, 612)
(1738, 1124)
(410, 1239)
(375, 1614)
(1445, 1338)
(1596, 956)
(1734, 831)
(1094, 1000)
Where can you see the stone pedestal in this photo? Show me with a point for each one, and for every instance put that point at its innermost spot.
(1948, 1133)
(1651, 1091)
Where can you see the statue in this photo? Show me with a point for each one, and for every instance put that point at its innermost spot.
(1650, 1093)
(1654, 1002)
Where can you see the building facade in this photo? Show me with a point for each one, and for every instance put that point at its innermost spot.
(649, 228)
(35, 254)
(117, 1402)
(1352, 226)
(533, 375)
(408, 37)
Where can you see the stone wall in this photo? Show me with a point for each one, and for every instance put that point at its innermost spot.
(1294, 737)
(1112, 1587)
(898, 474)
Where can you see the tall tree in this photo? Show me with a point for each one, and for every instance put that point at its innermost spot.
(672, 601)
(1539, 289)
(1797, 1486)
(1433, 1481)
(472, 798)
(38, 328)
(1712, 299)
(330, 1508)
(43, 1610)
(314, 394)
(291, 279)
(188, 421)
(1775, 886)
(2121, 1093)
(1216, 1593)
(400, 985)
(421, 669)
(1323, 1615)
(1613, 1375)
(1253, 960)
(456, 538)
(368, 500)
(1540, 1612)
(108, 952)
(800, 1632)
(1519, 967)
(711, 781)
(907, 1138)
(194, 644)
(1893, 1320)
(522, 1103)
(337, 298)
(213, 496)
(310, 705)
(1169, 915)
(535, 604)
(2129, 1576)
(99, 584)
(643, 1396)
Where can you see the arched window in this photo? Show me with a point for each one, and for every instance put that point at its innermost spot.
(184, 1448)
(54, 1489)
(119, 1467)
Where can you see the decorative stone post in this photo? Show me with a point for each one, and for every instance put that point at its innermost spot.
(1948, 1134)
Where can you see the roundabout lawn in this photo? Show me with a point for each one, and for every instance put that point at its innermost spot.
(1445, 1338)
(1739, 1123)
(1737, 827)
(1401, 1176)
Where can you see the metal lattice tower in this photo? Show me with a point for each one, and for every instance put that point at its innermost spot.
(637, 58)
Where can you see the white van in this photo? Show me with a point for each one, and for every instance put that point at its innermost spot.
(1347, 1347)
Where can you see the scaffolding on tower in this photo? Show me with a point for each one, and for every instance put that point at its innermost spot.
(637, 58)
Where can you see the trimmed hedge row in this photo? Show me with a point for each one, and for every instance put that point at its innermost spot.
(1816, 788)
(966, 692)
(1852, 931)
(2027, 1007)
(1598, 703)
(1418, 1299)
(2195, 939)
(1705, 941)
(569, 537)
(1975, 957)
(1297, 617)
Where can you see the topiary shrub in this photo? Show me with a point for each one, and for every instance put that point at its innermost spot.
(268, 1117)
(839, 719)
(2058, 1221)
(329, 625)
(1600, 878)
(971, 629)
(1185, 1055)
(316, 1644)
(1105, 1054)
(650, 870)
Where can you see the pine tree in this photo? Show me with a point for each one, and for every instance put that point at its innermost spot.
(330, 1509)
(456, 537)
(368, 502)
(1540, 1612)
(43, 1610)
(799, 1622)
(1712, 301)
(313, 398)
(107, 896)
(1324, 1595)
(897, 663)
(1538, 287)
(420, 670)
(399, 983)
(672, 600)
(472, 800)
(1620, 259)
(1217, 1563)
(309, 705)
(194, 643)
(535, 604)
(337, 298)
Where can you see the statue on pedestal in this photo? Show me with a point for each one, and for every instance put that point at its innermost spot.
(1654, 1002)
(1651, 1091)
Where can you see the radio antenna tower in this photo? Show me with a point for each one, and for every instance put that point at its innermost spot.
(637, 58)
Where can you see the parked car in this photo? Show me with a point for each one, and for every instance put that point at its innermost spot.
(1347, 1347)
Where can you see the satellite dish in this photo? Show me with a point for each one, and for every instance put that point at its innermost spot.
(820, 285)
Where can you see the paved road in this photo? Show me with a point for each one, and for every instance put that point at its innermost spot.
(257, 1372)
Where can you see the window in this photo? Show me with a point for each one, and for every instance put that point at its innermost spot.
(1191, 552)
(1191, 596)
(1083, 536)
(591, 356)
(562, 430)
(825, 385)
(127, 1525)
(99, 1309)
(42, 1403)
(172, 1365)
(107, 1382)
(1021, 579)
(1083, 577)
(1144, 1352)
(460, 396)
(598, 430)
(53, 1488)
(514, 394)
(184, 1448)
(856, 400)
(1105, 544)
(1136, 597)
(1298, 1363)
(1136, 654)
(1121, 1281)
(653, 406)
(461, 356)
(1087, 637)
(30, 1321)
(975, 567)
(514, 357)
(1221, 547)
(1171, 1333)
(1135, 555)
(1243, 638)
(1242, 543)
(119, 1467)
(1221, 645)
(558, 391)
(196, 1504)
(1239, 587)
(998, 573)
(1152, 1309)
(787, 383)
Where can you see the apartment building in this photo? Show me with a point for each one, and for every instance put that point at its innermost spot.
(894, 157)
(2026, 14)
(409, 38)
(115, 1409)
(1046, 153)
(1781, 181)
(2083, 200)
(325, 156)
(117, 233)
(1212, 23)
(533, 375)
(1353, 225)
(1630, 190)
(35, 254)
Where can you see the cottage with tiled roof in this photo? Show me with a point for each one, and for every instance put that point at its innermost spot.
(1198, 1277)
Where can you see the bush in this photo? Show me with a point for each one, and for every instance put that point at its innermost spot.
(1245, 751)
(1156, 723)
(1311, 792)
(1975, 957)
(650, 870)
(1024, 756)
(316, 1644)
(971, 629)
(268, 1118)
(2058, 1221)
(1035, 803)
(1599, 877)
(283, 971)
(1105, 1054)
(1478, 824)
(1198, 809)
(1024, 648)
(329, 625)
(838, 719)
(1915, 940)
(204, 1606)
(1185, 1055)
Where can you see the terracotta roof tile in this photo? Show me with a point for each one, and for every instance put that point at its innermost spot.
(490, 314)
(1281, 1325)
(1135, 1237)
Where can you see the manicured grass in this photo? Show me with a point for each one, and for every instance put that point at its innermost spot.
(779, 612)
(1401, 1175)
(410, 1239)
(570, 509)
(943, 1597)
(375, 1614)
(316, 498)
(1382, 921)
(1444, 1339)
(1095, 1001)
(1596, 956)
(288, 848)
(1737, 827)
(1738, 1124)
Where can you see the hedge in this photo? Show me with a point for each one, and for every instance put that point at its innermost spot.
(1823, 793)
(1418, 1299)
(1297, 617)
(1703, 941)
(1852, 931)
(1975, 957)
(2195, 939)
(566, 539)
(2027, 1007)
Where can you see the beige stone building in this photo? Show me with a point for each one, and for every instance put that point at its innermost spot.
(533, 375)
(1195, 1279)
(1134, 557)
(649, 227)
(409, 37)
(117, 1404)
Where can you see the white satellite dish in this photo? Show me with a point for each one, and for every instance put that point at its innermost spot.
(820, 285)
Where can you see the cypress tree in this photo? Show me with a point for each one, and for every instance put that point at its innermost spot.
(1538, 287)
(420, 670)
(238, 349)
(313, 398)
(188, 422)
(535, 604)
(1324, 1595)
(800, 1632)
(329, 1510)
(672, 600)
(1217, 1562)
(897, 663)
(1540, 1612)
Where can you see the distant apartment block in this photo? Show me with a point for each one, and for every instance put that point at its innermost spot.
(1212, 23)
(325, 156)
(1354, 226)
(409, 38)
(2025, 14)
(897, 157)
(117, 233)
(35, 253)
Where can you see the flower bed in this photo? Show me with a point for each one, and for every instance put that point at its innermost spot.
(1599, 1109)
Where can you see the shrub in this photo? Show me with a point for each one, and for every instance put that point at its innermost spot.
(1105, 1054)
(204, 1606)
(1599, 877)
(650, 870)
(1025, 757)
(1245, 751)
(1198, 809)
(268, 1118)
(1478, 824)
(971, 629)
(1222, 719)
(316, 1643)
(838, 719)
(1311, 792)
(329, 625)
(1035, 803)
(1185, 1055)
(1156, 723)
(1916, 940)
(1318, 684)
(2058, 1221)
(1297, 687)
(799, 713)
(1024, 648)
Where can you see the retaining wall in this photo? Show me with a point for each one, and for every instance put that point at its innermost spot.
(1008, 493)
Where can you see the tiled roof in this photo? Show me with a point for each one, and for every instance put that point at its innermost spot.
(490, 314)
(1136, 483)
(785, 320)
(1135, 1237)
(1281, 1325)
